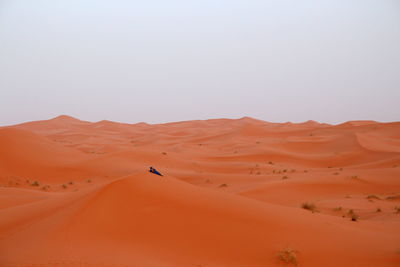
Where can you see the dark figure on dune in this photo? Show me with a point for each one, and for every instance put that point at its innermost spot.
(152, 170)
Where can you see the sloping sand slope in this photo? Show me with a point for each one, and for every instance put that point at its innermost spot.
(76, 193)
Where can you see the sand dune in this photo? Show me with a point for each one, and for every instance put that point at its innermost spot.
(76, 193)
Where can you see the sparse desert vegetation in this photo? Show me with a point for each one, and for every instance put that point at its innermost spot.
(397, 209)
(353, 216)
(373, 197)
(288, 256)
(309, 206)
(291, 198)
(395, 197)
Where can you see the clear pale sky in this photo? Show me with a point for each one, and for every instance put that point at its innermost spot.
(161, 61)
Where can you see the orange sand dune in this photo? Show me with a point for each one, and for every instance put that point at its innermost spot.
(76, 193)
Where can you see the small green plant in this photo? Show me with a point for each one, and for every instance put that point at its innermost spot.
(309, 206)
(288, 255)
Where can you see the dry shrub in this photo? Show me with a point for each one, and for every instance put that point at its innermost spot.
(309, 206)
(288, 255)
(353, 216)
(373, 197)
(393, 197)
(397, 209)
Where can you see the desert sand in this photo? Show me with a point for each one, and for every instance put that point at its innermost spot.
(235, 192)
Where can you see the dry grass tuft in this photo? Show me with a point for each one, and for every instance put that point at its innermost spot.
(397, 209)
(353, 217)
(288, 255)
(309, 206)
(373, 197)
(393, 197)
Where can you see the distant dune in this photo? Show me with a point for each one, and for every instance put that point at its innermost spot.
(239, 192)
